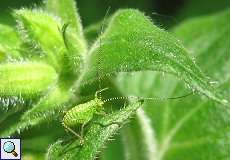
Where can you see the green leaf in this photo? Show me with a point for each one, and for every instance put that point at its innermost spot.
(26, 79)
(67, 11)
(43, 111)
(74, 37)
(216, 43)
(194, 128)
(42, 30)
(9, 43)
(42, 33)
(132, 43)
(95, 137)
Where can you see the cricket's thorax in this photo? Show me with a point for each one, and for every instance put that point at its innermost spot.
(82, 113)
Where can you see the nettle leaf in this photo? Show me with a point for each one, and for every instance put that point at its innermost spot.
(132, 43)
(194, 128)
(95, 138)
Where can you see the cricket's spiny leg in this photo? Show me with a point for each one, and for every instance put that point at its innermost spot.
(73, 132)
(82, 129)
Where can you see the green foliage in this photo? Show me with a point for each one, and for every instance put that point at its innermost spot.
(47, 38)
(26, 79)
(194, 128)
(9, 43)
(95, 138)
(48, 65)
(74, 38)
(135, 44)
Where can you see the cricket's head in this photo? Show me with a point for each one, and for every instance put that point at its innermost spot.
(99, 103)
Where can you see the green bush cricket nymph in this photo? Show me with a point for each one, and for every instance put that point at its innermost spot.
(83, 113)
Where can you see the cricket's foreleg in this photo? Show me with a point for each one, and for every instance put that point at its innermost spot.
(101, 113)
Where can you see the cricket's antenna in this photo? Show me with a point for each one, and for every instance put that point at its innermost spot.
(99, 91)
(147, 98)
(99, 58)
(160, 15)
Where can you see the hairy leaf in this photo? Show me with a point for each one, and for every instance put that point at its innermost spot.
(194, 128)
(133, 43)
(43, 111)
(9, 43)
(26, 79)
(42, 33)
(95, 137)
(74, 38)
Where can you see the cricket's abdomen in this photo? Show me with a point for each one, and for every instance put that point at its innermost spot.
(80, 114)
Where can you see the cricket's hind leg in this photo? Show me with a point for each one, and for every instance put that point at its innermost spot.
(82, 129)
(74, 133)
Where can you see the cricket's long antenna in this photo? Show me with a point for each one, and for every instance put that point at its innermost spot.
(99, 58)
(165, 16)
(147, 98)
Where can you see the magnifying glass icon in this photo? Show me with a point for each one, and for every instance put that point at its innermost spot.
(9, 147)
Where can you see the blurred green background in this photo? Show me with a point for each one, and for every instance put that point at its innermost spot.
(168, 12)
